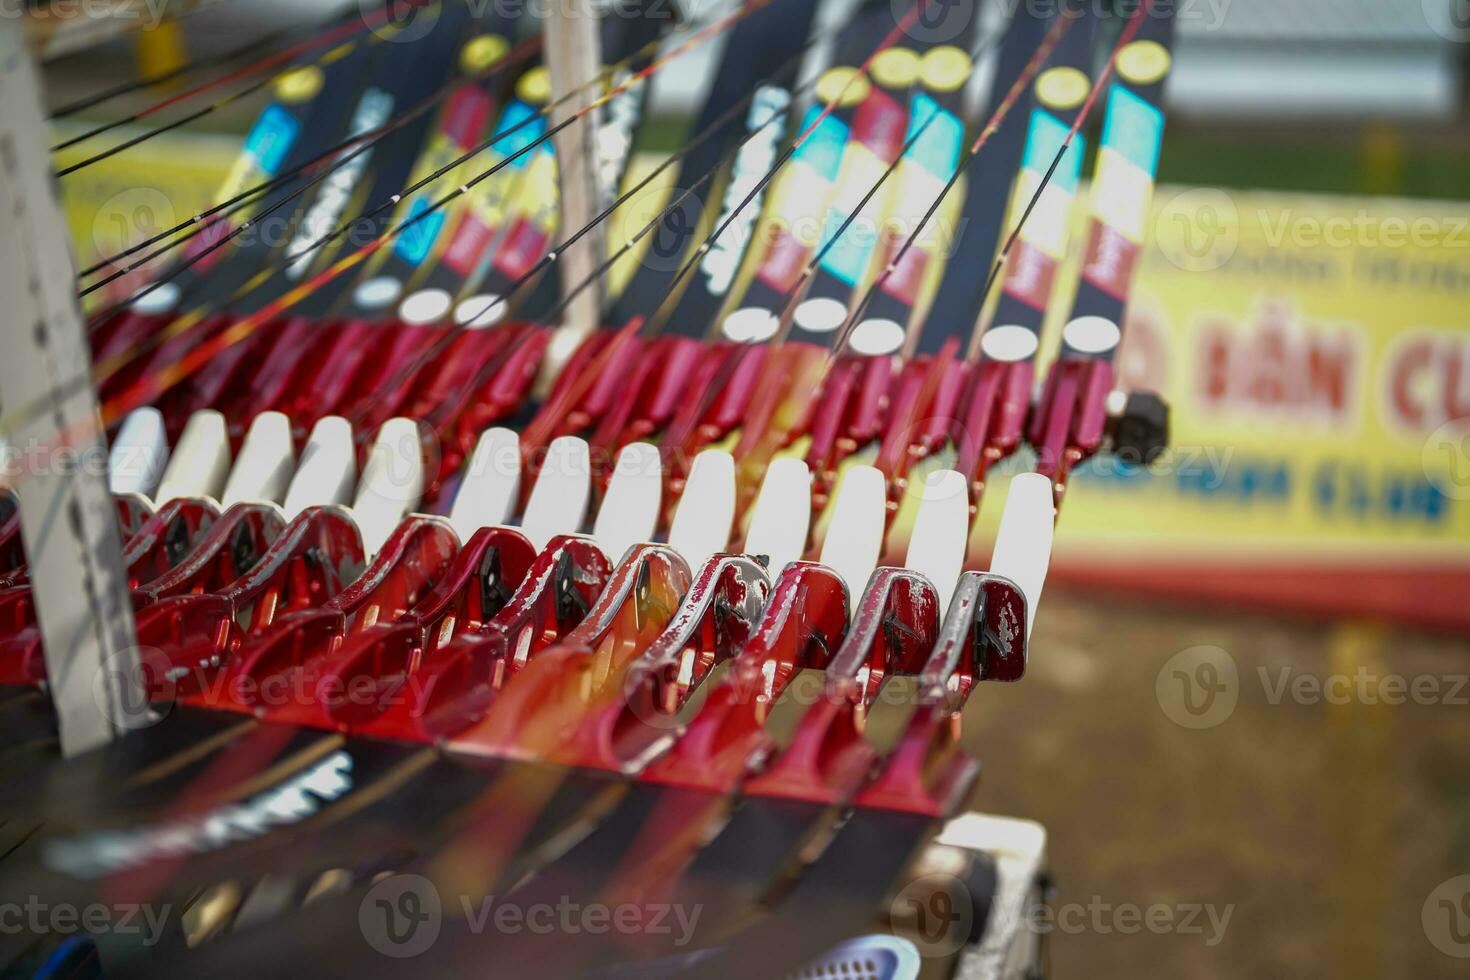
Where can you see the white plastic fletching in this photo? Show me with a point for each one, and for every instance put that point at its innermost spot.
(392, 482)
(706, 511)
(1023, 542)
(139, 454)
(782, 515)
(558, 503)
(488, 492)
(262, 471)
(630, 508)
(200, 462)
(941, 527)
(854, 539)
(327, 471)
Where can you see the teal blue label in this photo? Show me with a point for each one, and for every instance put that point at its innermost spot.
(822, 150)
(851, 253)
(937, 149)
(415, 242)
(271, 138)
(1134, 128)
(1045, 140)
(514, 115)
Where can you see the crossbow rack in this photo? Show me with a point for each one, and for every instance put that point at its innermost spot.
(421, 551)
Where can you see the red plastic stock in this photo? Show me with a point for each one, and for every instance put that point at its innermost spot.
(1070, 420)
(893, 632)
(983, 639)
(540, 707)
(456, 686)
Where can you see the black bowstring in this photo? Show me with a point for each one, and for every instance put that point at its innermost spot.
(556, 251)
(322, 30)
(367, 140)
(157, 131)
(346, 227)
(188, 68)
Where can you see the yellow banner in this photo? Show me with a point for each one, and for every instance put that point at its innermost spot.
(1316, 355)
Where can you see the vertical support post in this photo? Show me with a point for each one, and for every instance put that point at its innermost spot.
(52, 425)
(573, 49)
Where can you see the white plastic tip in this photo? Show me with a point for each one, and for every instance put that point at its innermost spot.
(327, 472)
(139, 454)
(1023, 542)
(200, 462)
(782, 515)
(484, 310)
(630, 508)
(706, 511)
(821, 315)
(425, 306)
(558, 503)
(941, 528)
(392, 482)
(262, 471)
(491, 483)
(854, 539)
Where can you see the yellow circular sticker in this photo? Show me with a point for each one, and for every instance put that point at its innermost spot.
(896, 68)
(945, 69)
(300, 84)
(1144, 62)
(1062, 88)
(482, 52)
(846, 83)
(535, 86)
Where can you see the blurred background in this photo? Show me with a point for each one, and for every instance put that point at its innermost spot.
(1249, 688)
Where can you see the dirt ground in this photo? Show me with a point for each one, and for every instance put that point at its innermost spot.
(1320, 817)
